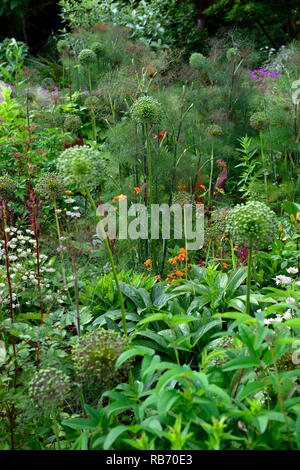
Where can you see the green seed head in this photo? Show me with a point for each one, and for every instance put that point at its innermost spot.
(97, 48)
(231, 53)
(81, 167)
(49, 387)
(146, 110)
(87, 57)
(50, 186)
(214, 130)
(62, 45)
(259, 121)
(72, 123)
(198, 61)
(252, 221)
(95, 355)
(7, 188)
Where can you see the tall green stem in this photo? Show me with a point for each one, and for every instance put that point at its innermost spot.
(249, 276)
(92, 107)
(60, 246)
(112, 264)
(263, 163)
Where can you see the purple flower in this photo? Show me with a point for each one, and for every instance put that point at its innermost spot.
(283, 279)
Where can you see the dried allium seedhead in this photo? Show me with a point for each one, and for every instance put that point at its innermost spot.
(259, 121)
(219, 217)
(48, 83)
(146, 110)
(49, 387)
(97, 48)
(50, 186)
(87, 57)
(214, 130)
(7, 188)
(72, 123)
(81, 166)
(182, 198)
(198, 61)
(232, 53)
(253, 220)
(95, 356)
(62, 45)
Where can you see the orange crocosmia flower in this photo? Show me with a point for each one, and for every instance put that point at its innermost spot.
(223, 235)
(121, 197)
(68, 192)
(225, 265)
(137, 189)
(182, 251)
(157, 277)
(171, 276)
(160, 135)
(202, 186)
(235, 247)
(147, 262)
(179, 273)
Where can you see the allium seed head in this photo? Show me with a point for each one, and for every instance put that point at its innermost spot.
(146, 110)
(95, 356)
(87, 57)
(50, 186)
(81, 166)
(7, 188)
(253, 220)
(49, 387)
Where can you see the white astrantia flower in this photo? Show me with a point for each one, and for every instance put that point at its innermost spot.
(292, 270)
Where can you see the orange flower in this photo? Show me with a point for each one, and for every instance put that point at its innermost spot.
(121, 197)
(202, 186)
(147, 262)
(235, 247)
(223, 235)
(68, 192)
(171, 276)
(137, 189)
(157, 277)
(179, 273)
(225, 265)
(163, 187)
(182, 251)
(160, 135)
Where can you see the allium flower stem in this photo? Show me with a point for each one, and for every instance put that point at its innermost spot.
(59, 241)
(92, 106)
(263, 163)
(112, 264)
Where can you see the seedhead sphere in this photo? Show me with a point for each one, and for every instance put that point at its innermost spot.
(81, 167)
(49, 387)
(259, 121)
(87, 57)
(72, 123)
(146, 110)
(252, 221)
(97, 48)
(95, 356)
(214, 130)
(198, 61)
(50, 186)
(7, 188)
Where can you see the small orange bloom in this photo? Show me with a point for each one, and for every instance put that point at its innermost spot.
(160, 135)
(225, 265)
(157, 277)
(179, 273)
(137, 189)
(202, 186)
(235, 247)
(147, 262)
(121, 197)
(68, 192)
(223, 235)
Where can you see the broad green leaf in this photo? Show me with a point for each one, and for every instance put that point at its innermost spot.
(241, 363)
(133, 351)
(113, 435)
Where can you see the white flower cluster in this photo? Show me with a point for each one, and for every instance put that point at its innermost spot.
(277, 60)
